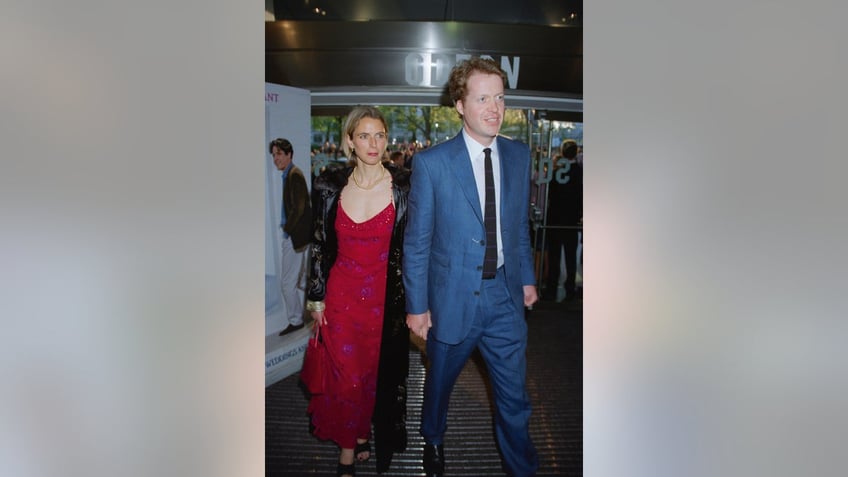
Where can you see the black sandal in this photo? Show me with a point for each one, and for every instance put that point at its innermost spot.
(360, 448)
(345, 469)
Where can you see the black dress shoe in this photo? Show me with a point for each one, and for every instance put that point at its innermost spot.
(345, 469)
(291, 328)
(434, 460)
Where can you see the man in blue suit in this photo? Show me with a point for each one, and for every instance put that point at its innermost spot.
(459, 296)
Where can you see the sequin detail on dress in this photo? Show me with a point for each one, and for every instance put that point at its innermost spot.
(356, 293)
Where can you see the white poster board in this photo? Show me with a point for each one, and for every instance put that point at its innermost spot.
(287, 115)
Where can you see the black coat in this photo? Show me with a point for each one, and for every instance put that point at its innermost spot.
(389, 416)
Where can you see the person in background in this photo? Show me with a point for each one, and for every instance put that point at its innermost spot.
(296, 229)
(468, 265)
(398, 159)
(356, 296)
(409, 154)
(565, 215)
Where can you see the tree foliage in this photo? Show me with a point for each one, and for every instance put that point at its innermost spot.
(423, 123)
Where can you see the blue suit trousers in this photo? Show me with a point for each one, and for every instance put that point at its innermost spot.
(499, 331)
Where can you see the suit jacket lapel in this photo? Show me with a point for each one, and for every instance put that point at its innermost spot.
(507, 171)
(464, 173)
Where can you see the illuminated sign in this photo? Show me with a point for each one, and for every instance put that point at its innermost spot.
(433, 69)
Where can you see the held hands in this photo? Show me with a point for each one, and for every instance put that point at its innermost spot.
(419, 324)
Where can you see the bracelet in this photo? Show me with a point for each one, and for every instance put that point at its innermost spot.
(315, 305)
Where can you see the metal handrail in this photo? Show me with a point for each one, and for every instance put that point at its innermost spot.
(539, 223)
(578, 227)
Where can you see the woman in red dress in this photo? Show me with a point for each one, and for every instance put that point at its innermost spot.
(356, 295)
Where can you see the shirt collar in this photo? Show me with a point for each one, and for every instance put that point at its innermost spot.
(475, 149)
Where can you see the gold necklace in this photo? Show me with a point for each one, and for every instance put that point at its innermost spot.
(382, 174)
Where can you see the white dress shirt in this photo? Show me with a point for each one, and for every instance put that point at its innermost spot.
(478, 165)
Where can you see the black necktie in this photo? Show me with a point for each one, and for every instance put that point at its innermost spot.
(490, 219)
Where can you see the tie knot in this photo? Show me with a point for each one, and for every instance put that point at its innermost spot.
(488, 152)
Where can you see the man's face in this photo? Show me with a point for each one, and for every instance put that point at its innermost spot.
(281, 159)
(482, 108)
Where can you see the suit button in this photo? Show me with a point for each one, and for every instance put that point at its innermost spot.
(480, 268)
(483, 243)
(476, 293)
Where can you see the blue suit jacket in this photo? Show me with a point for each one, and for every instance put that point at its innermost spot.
(444, 240)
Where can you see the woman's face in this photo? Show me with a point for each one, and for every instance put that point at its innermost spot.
(369, 141)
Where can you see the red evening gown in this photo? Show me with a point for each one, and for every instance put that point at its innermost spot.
(356, 292)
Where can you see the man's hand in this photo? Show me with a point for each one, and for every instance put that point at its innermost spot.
(530, 295)
(419, 324)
